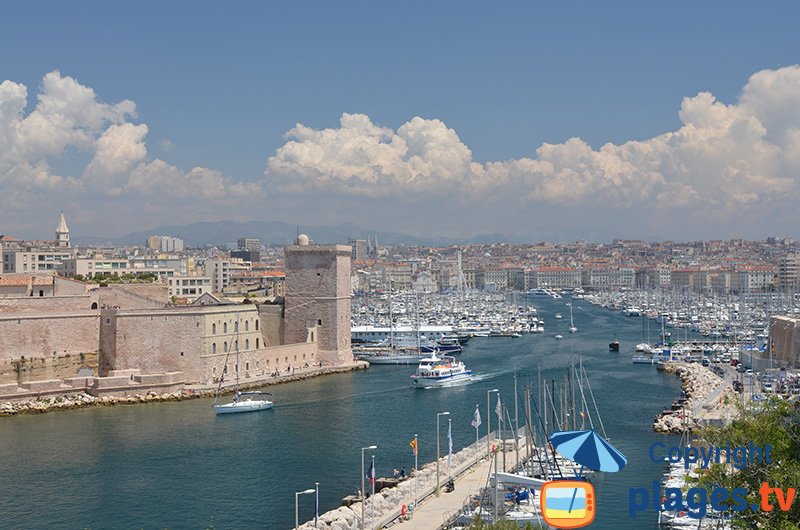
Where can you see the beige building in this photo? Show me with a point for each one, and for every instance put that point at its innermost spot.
(784, 337)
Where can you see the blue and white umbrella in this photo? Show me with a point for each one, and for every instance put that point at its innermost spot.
(588, 449)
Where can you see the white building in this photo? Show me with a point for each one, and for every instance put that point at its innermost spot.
(220, 271)
(188, 287)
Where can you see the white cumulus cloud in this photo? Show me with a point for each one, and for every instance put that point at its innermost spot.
(724, 155)
(69, 118)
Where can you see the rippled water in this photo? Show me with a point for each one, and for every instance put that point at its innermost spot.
(176, 465)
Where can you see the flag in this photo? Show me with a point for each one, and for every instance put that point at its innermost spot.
(449, 442)
(499, 409)
(371, 473)
(476, 418)
(413, 444)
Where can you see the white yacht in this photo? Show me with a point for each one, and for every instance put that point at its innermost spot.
(245, 402)
(440, 371)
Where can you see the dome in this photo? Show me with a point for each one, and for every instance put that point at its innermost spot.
(302, 240)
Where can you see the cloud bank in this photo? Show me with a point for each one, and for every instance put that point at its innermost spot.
(727, 162)
(723, 156)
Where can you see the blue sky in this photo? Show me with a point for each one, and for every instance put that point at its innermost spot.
(220, 84)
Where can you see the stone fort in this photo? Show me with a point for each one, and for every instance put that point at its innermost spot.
(57, 332)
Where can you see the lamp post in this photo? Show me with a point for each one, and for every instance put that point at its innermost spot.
(297, 505)
(316, 505)
(438, 415)
(363, 493)
(489, 417)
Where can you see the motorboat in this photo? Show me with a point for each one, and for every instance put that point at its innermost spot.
(440, 371)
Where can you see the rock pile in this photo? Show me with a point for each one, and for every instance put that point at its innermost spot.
(698, 383)
(77, 401)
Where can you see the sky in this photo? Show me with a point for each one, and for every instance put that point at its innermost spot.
(551, 120)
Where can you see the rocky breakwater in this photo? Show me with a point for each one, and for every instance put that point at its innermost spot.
(698, 384)
(67, 402)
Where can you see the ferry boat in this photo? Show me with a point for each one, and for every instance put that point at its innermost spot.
(440, 371)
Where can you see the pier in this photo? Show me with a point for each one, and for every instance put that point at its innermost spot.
(386, 508)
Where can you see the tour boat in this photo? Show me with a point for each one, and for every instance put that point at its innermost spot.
(440, 371)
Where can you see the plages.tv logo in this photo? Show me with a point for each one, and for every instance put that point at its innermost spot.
(572, 503)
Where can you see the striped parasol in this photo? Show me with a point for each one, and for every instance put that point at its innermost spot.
(589, 450)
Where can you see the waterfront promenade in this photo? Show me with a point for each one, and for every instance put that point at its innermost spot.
(385, 509)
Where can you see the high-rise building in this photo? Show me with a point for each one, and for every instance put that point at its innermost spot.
(360, 247)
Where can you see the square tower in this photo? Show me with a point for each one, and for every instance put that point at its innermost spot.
(317, 301)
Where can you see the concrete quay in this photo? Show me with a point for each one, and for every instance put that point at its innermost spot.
(385, 509)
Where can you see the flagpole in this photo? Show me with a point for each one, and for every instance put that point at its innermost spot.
(477, 439)
(449, 448)
(416, 468)
(372, 498)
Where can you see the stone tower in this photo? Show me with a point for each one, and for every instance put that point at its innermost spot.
(317, 301)
(62, 232)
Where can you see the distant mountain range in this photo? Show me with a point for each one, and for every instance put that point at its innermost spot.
(221, 233)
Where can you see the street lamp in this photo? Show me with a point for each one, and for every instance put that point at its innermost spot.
(489, 417)
(296, 505)
(438, 414)
(363, 491)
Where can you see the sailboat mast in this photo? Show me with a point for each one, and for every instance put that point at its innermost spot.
(236, 343)
(391, 317)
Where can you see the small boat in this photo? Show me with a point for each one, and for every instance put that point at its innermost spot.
(440, 371)
(242, 401)
(558, 315)
(613, 346)
(245, 402)
(559, 337)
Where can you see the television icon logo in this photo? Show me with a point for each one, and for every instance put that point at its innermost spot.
(568, 503)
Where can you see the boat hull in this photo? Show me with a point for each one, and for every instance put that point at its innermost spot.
(442, 381)
(243, 406)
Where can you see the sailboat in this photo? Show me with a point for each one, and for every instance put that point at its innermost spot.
(572, 328)
(242, 401)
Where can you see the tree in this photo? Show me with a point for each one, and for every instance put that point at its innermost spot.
(774, 422)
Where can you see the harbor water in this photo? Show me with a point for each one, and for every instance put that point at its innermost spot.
(177, 465)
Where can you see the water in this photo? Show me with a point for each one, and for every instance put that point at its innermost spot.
(176, 465)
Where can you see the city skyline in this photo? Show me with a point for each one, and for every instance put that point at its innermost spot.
(546, 133)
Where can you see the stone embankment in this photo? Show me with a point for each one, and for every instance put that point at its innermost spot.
(698, 384)
(69, 401)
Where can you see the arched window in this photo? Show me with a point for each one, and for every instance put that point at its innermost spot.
(213, 347)
(224, 327)
(256, 325)
(237, 344)
(225, 346)
(214, 328)
(247, 325)
(256, 342)
(236, 326)
(246, 344)
(94, 305)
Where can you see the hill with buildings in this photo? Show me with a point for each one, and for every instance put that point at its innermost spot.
(280, 233)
